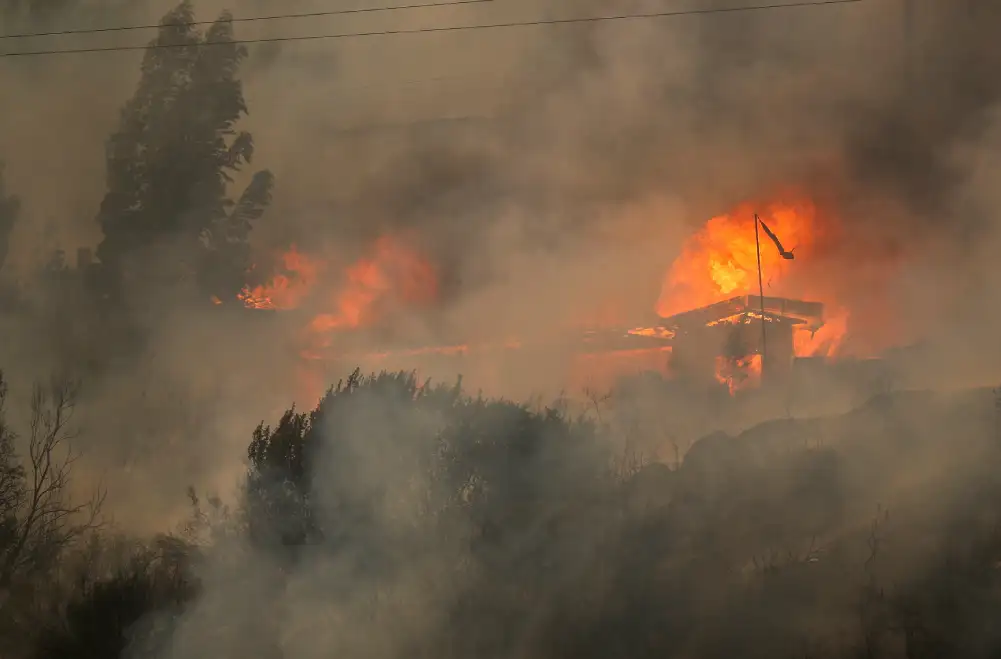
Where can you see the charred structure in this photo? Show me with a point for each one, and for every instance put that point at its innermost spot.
(747, 333)
(719, 343)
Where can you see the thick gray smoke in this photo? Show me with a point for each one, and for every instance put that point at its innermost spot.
(547, 173)
(545, 170)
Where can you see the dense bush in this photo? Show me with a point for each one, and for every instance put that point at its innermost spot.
(401, 518)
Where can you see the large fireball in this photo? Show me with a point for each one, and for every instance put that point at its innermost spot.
(720, 261)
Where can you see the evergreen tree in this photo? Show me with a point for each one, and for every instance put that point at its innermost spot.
(171, 160)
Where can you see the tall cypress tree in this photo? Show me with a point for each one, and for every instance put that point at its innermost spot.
(172, 159)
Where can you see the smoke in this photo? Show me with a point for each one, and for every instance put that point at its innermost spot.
(550, 175)
(547, 172)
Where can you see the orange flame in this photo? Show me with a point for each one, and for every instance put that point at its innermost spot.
(390, 274)
(826, 341)
(393, 273)
(285, 290)
(740, 373)
(720, 261)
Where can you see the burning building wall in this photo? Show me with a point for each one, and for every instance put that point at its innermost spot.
(743, 339)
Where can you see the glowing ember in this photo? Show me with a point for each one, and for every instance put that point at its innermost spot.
(739, 373)
(653, 332)
(287, 289)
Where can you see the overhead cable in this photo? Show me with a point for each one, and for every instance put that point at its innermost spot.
(435, 29)
(246, 19)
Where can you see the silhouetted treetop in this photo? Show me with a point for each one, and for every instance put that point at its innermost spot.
(173, 156)
(347, 467)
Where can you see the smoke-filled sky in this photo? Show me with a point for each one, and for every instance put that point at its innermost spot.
(552, 170)
(565, 127)
(620, 110)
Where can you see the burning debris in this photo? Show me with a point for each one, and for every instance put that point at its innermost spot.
(714, 304)
(743, 340)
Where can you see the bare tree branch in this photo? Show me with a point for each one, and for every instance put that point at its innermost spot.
(44, 519)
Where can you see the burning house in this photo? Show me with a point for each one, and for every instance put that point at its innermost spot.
(743, 339)
(712, 324)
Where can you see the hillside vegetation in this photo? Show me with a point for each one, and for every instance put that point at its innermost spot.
(408, 519)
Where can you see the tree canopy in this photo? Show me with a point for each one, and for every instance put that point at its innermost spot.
(172, 159)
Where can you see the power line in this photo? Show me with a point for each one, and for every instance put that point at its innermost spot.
(445, 28)
(249, 19)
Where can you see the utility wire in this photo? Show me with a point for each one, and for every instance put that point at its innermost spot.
(445, 28)
(249, 19)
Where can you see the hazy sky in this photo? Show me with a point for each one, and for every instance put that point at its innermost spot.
(597, 149)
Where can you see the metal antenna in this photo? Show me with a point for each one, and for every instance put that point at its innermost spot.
(761, 294)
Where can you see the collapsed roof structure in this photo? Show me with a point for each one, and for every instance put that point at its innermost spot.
(735, 331)
(726, 342)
